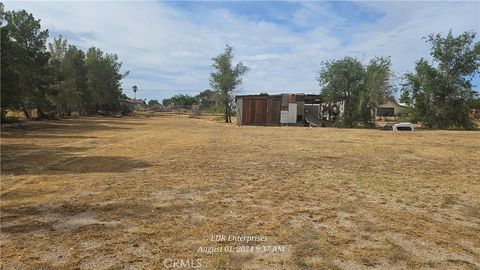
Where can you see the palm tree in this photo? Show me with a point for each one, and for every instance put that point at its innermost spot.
(135, 89)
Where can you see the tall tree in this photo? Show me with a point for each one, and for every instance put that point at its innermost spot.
(441, 92)
(341, 81)
(76, 88)
(26, 62)
(10, 77)
(104, 78)
(360, 88)
(57, 50)
(226, 79)
(70, 81)
(376, 89)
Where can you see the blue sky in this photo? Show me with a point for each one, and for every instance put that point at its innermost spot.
(168, 46)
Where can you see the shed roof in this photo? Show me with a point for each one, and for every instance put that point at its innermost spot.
(274, 96)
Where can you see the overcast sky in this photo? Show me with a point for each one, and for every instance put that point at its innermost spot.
(169, 45)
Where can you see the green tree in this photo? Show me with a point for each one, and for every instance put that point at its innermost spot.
(360, 88)
(57, 50)
(153, 103)
(341, 81)
(70, 82)
(226, 78)
(405, 98)
(376, 88)
(475, 102)
(104, 78)
(181, 101)
(206, 99)
(75, 72)
(441, 92)
(59, 81)
(10, 73)
(25, 72)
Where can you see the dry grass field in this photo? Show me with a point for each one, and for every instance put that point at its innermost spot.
(133, 192)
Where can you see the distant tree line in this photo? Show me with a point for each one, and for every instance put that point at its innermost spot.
(440, 94)
(207, 100)
(180, 101)
(58, 81)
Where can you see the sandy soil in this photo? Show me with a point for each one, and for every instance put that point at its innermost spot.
(139, 192)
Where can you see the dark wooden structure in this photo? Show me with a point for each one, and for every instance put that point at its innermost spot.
(259, 110)
(273, 110)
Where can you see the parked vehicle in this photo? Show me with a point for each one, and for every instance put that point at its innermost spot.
(403, 127)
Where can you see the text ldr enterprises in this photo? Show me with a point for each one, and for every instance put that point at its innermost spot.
(237, 238)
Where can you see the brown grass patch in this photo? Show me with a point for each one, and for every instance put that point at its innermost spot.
(116, 193)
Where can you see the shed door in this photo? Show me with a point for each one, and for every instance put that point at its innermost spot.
(248, 114)
(260, 112)
(273, 111)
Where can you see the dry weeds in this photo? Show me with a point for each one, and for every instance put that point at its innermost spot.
(127, 193)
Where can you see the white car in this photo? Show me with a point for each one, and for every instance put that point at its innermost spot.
(403, 127)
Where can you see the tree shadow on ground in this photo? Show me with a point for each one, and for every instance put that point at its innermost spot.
(116, 121)
(44, 136)
(96, 164)
(54, 128)
(29, 159)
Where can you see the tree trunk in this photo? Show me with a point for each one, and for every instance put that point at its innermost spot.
(25, 111)
(226, 113)
(41, 114)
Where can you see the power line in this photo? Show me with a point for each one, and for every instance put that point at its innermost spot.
(187, 90)
(166, 90)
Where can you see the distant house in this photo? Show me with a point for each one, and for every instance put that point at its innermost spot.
(392, 108)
